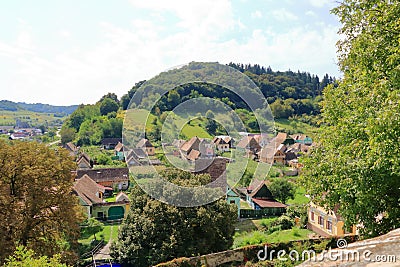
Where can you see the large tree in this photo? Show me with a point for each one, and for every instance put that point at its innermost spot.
(37, 209)
(282, 189)
(154, 232)
(356, 165)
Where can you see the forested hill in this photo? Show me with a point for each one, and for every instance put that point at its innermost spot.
(37, 107)
(289, 93)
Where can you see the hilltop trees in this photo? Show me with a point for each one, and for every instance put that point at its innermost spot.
(37, 209)
(88, 124)
(357, 163)
(154, 232)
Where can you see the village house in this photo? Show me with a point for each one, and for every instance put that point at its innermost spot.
(273, 154)
(250, 145)
(84, 162)
(146, 146)
(188, 146)
(260, 197)
(136, 157)
(71, 148)
(119, 151)
(223, 143)
(233, 197)
(302, 139)
(91, 194)
(326, 222)
(110, 143)
(116, 178)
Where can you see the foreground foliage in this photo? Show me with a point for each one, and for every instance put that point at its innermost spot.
(154, 232)
(24, 257)
(357, 163)
(37, 209)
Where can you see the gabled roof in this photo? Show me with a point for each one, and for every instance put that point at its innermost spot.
(110, 141)
(71, 147)
(84, 155)
(191, 144)
(220, 141)
(299, 147)
(119, 147)
(84, 161)
(261, 191)
(107, 174)
(137, 153)
(121, 196)
(248, 142)
(86, 188)
(144, 143)
(279, 138)
(193, 155)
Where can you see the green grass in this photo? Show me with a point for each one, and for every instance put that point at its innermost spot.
(299, 197)
(260, 237)
(105, 234)
(294, 126)
(288, 235)
(33, 118)
(246, 226)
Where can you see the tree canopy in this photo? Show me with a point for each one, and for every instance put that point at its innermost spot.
(356, 165)
(154, 232)
(282, 189)
(24, 257)
(37, 207)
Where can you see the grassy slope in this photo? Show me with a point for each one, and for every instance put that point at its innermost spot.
(34, 118)
(299, 197)
(294, 126)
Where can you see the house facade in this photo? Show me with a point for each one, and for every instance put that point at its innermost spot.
(90, 196)
(327, 222)
(232, 197)
(147, 146)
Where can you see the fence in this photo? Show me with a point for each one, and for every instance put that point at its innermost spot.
(248, 213)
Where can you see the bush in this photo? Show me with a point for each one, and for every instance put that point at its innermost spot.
(284, 222)
(103, 160)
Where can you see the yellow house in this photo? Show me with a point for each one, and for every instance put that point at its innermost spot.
(327, 222)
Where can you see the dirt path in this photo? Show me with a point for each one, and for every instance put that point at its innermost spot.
(104, 253)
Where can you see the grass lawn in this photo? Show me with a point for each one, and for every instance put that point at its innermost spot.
(105, 233)
(259, 237)
(299, 197)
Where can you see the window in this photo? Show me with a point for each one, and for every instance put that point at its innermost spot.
(232, 202)
(321, 221)
(312, 216)
(329, 226)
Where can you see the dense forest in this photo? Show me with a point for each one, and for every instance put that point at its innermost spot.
(290, 94)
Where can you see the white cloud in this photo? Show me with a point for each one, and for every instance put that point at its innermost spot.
(283, 15)
(311, 14)
(256, 14)
(142, 49)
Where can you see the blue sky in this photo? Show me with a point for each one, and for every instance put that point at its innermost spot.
(72, 52)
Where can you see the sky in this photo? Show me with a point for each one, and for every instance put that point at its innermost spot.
(73, 52)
